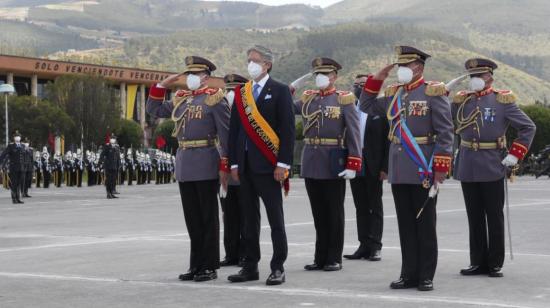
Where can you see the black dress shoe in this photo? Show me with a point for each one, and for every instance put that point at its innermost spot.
(244, 275)
(14, 201)
(205, 275)
(188, 276)
(26, 196)
(241, 262)
(375, 255)
(332, 267)
(109, 196)
(275, 278)
(426, 285)
(495, 272)
(113, 196)
(116, 193)
(229, 262)
(19, 201)
(358, 254)
(313, 267)
(403, 283)
(474, 270)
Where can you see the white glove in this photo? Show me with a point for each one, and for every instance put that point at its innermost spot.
(451, 85)
(434, 190)
(223, 192)
(299, 83)
(510, 160)
(347, 174)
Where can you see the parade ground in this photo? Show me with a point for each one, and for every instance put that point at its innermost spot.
(71, 247)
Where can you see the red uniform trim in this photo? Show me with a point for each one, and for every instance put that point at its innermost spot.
(442, 163)
(354, 163)
(518, 150)
(372, 85)
(157, 93)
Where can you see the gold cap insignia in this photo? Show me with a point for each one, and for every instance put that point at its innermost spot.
(189, 60)
(318, 62)
(398, 50)
(231, 78)
(472, 63)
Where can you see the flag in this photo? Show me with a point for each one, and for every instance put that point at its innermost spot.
(51, 141)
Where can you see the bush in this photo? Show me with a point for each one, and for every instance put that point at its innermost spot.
(129, 133)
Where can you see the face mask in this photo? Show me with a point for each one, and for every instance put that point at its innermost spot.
(17, 139)
(112, 141)
(322, 81)
(230, 96)
(254, 70)
(357, 89)
(477, 84)
(404, 74)
(193, 82)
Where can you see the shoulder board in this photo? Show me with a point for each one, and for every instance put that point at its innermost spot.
(308, 95)
(214, 96)
(181, 93)
(505, 96)
(460, 97)
(346, 97)
(435, 88)
(391, 90)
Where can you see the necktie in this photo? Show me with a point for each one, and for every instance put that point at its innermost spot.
(256, 91)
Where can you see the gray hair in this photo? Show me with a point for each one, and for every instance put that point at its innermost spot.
(265, 53)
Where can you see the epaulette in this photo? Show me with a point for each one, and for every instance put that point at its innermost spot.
(308, 95)
(505, 96)
(181, 93)
(435, 88)
(391, 90)
(214, 96)
(346, 97)
(460, 97)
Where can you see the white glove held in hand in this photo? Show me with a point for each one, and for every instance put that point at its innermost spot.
(510, 160)
(347, 174)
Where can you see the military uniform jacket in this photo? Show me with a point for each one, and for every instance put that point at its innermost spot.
(29, 160)
(328, 116)
(199, 115)
(110, 157)
(427, 111)
(482, 118)
(15, 154)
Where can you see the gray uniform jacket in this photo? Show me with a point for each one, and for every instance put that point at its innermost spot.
(199, 115)
(328, 117)
(427, 111)
(482, 118)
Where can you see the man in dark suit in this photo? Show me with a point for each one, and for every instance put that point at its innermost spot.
(366, 188)
(261, 144)
(110, 158)
(15, 154)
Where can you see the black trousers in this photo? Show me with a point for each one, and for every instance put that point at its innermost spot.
(369, 210)
(78, 177)
(91, 177)
(200, 209)
(233, 224)
(484, 206)
(57, 178)
(327, 205)
(28, 181)
(253, 187)
(110, 180)
(47, 178)
(17, 180)
(38, 178)
(418, 237)
(130, 176)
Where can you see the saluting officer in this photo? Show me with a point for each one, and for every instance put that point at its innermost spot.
(482, 116)
(331, 135)
(421, 132)
(15, 154)
(202, 123)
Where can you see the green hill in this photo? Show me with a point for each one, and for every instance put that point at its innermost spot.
(360, 48)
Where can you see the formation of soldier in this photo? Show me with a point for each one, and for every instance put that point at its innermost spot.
(237, 143)
(42, 169)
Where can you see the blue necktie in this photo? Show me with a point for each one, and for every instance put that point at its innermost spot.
(256, 92)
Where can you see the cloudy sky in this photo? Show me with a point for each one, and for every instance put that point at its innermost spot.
(322, 3)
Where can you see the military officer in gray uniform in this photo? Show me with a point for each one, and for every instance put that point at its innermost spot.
(331, 155)
(421, 132)
(482, 115)
(202, 122)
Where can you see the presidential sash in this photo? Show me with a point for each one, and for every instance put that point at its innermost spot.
(402, 131)
(256, 127)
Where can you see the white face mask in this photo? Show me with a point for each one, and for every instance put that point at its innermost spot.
(26, 144)
(193, 82)
(404, 74)
(112, 141)
(254, 69)
(322, 81)
(17, 139)
(230, 96)
(477, 84)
